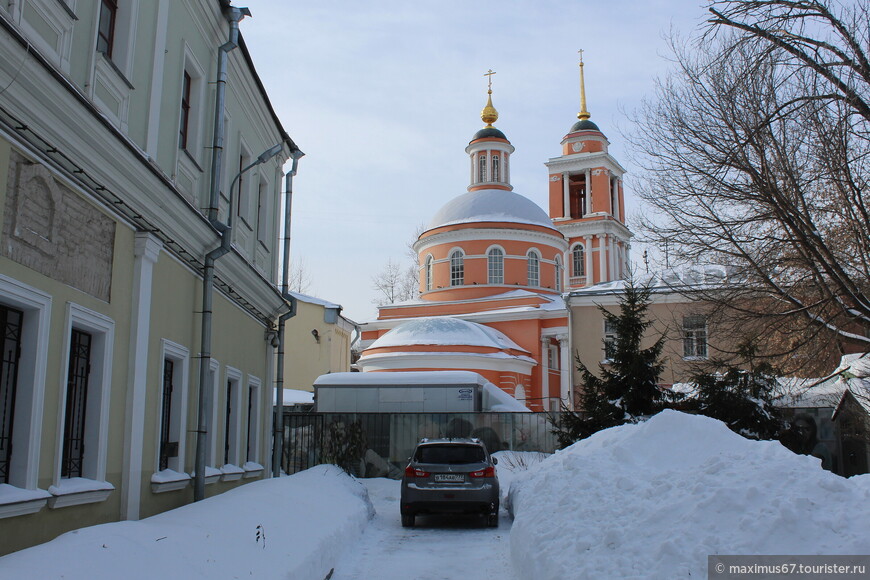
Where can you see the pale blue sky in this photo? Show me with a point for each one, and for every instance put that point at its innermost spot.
(383, 97)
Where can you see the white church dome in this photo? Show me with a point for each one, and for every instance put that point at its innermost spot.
(491, 205)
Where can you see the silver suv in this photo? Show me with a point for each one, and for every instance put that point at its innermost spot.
(450, 476)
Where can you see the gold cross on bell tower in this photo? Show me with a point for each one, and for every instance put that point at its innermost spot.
(489, 74)
(489, 115)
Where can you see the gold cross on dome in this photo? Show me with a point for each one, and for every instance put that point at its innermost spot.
(489, 74)
(581, 55)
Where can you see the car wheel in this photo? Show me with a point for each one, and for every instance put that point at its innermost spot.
(492, 520)
(407, 520)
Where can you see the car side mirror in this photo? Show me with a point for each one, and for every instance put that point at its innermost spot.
(495, 460)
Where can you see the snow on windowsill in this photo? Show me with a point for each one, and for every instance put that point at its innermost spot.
(252, 469)
(15, 501)
(231, 472)
(78, 491)
(169, 480)
(212, 474)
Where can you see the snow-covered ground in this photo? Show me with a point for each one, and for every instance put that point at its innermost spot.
(637, 501)
(653, 500)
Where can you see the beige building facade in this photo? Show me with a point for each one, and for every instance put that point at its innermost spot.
(130, 142)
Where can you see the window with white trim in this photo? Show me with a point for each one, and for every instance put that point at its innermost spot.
(263, 213)
(106, 27)
(212, 414)
(481, 167)
(457, 268)
(495, 168)
(252, 436)
(610, 337)
(11, 321)
(695, 336)
(23, 412)
(241, 193)
(553, 357)
(558, 274)
(232, 416)
(428, 272)
(534, 268)
(84, 426)
(578, 261)
(172, 418)
(495, 266)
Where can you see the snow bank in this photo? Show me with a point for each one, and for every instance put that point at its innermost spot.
(291, 527)
(653, 500)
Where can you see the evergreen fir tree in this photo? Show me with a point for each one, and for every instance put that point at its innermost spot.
(742, 398)
(627, 388)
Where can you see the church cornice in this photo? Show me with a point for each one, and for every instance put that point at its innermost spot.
(584, 161)
(469, 234)
(579, 229)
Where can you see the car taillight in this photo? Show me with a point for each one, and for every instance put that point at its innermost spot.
(411, 471)
(486, 472)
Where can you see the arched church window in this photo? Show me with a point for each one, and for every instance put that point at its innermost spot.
(578, 261)
(495, 176)
(482, 168)
(558, 274)
(495, 266)
(534, 269)
(427, 272)
(457, 269)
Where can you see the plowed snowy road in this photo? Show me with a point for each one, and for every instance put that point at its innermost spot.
(437, 548)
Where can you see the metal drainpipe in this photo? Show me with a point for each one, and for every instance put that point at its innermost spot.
(233, 16)
(278, 422)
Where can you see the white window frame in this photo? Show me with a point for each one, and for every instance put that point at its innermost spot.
(234, 435)
(495, 275)
(574, 260)
(212, 412)
(30, 393)
(241, 197)
(695, 346)
(610, 338)
(91, 486)
(459, 257)
(253, 425)
(533, 258)
(427, 271)
(558, 279)
(263, 212)
(180, 356)
(197, 97)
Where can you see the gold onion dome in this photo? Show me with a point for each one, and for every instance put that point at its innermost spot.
(489, 115)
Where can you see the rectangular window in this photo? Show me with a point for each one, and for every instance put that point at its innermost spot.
(482, 167)
(168, 447)
(553, 357)
(695, 336)
(457, 269)
(228, 423)
(76, 404)
(184, 125)
(263, 213)
(251, 439)
(106, 27)
(495, 176)
(10, 340)
(610, 336)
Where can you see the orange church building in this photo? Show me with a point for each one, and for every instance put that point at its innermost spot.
(495, 269)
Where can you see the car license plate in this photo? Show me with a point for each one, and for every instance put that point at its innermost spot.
(449, 477)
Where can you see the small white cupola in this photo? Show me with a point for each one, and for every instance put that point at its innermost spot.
(489, 151)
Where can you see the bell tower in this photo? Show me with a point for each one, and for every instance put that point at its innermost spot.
(586, 203)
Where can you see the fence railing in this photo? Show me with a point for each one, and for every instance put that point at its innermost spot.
(379, 444)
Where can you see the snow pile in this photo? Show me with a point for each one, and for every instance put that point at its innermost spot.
(653, 500)
(291, 527)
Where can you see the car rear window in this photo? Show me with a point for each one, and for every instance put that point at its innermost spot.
(450, 454)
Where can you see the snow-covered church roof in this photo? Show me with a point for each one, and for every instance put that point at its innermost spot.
(445, 331)
(491, 205)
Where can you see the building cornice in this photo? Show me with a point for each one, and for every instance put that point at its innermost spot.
(583, 161)
(513, 233)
